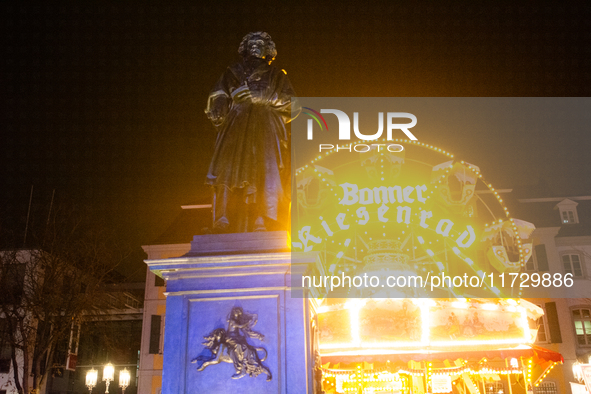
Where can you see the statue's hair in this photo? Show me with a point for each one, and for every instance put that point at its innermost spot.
(270, 49)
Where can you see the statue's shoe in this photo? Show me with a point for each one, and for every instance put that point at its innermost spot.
(220, 228)
(259, 224)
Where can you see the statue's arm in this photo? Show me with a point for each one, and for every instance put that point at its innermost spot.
(219, 101)
(283, 102)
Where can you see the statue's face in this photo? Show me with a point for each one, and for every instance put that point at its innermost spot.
(256, 47)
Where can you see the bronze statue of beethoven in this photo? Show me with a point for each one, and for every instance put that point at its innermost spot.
(250, 106)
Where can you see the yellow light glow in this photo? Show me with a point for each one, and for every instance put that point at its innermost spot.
(490, 307)
(124, 378)
(91, 377)
(459, 305)
(323, 309)
(109, 372)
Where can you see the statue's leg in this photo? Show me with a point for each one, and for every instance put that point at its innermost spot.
(257, 212)
(221, 196)
(241, 209)
(238, 361)
(215, 361)
(267, 371)
(259, 224)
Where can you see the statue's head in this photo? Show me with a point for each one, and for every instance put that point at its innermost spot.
(259, 45)
(214, 338)
(236, 312)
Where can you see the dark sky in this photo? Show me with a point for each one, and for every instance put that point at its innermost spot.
(103, 102)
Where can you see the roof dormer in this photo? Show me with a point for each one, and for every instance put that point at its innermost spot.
(568, 211)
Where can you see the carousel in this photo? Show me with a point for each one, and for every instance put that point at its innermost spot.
(412, 290)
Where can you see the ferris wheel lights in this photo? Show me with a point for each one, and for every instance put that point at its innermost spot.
(474, 171)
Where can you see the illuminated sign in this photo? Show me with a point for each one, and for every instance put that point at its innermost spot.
(438, 220)
(367, 326)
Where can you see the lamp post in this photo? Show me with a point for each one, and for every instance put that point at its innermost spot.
(108, 374)
(91, 379)
(578, 372)
(124, 379)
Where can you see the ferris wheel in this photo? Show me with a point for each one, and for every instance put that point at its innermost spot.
(400, 216)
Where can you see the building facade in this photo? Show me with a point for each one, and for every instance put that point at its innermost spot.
(109, 333)
(562, 244)
(174, 242)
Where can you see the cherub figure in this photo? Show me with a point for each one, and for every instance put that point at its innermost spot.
(240, 324)
(231, 346)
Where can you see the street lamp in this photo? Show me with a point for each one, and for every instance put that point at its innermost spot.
(578, 372)
(91, 379)
(124, 379)
(108, 374)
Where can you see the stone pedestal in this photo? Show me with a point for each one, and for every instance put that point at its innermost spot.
(250, 270)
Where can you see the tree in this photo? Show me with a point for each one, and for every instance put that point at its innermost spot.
(50, 287)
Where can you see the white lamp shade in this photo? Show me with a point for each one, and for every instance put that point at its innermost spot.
(577, 371)
(91, 377)
(124, 378)
(514, 363)
(109, 372)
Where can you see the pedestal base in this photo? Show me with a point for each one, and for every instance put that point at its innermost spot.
(249, 270)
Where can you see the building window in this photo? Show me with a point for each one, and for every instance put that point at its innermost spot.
(494, 388)
(546, 388)
(12, 283)
(530, 265)
(568, 217)
(538, 261)
(5, 360)
(582, 322)
(568, 211)
(5, 347)
(572, 265)
(542, 336)
(155, 335)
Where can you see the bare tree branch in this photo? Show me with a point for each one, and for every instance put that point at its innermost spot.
(58, 281)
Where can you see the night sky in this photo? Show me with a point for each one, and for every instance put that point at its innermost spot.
(103, 102)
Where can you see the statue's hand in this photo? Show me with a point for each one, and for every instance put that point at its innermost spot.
(241, 94)
(215, 116)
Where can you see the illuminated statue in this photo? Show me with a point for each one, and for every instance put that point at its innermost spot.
(231, 346)
(244, 356)
(250, 169)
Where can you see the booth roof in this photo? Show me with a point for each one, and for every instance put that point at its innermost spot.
(539, 354)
